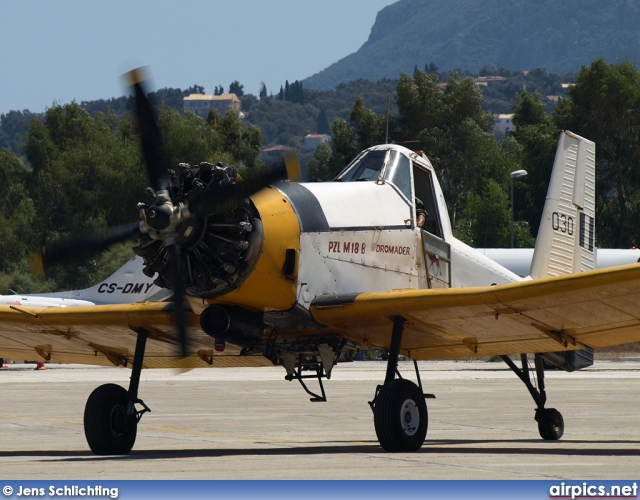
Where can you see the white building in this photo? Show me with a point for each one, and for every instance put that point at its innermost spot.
(504, 124)
(311, 141)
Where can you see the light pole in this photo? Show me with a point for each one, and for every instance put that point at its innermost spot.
(514, 175)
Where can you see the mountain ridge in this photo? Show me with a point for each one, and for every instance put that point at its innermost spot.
(559, 37)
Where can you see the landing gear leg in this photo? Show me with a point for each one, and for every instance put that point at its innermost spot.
(110, 416)
(550, 421)
(399, 408)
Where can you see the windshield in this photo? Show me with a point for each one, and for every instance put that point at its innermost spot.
(399, 172)
(366, 168)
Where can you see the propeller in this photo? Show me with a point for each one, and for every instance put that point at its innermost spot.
(170, 213)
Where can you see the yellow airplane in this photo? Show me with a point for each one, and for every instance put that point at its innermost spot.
(305, 274)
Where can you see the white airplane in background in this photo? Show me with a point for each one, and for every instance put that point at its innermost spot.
(299, 274)
(127, 285)
(518, 260)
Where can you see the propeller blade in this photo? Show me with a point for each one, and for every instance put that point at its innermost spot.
(178, 299)
(292, 164)
(79, 247)
(155, 154)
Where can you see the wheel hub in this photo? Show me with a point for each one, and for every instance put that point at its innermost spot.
(410, 417)
(118, 420)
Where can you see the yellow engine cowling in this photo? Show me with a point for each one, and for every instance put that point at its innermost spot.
(271, 285)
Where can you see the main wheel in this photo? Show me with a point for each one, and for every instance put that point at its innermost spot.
(400, 416)
(107, 427)
(550, 424)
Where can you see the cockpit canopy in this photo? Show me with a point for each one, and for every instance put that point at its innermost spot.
(410, 174)
(389, 165)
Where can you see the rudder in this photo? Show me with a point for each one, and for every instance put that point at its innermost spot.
(565, 242)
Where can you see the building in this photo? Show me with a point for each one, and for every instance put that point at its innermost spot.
(311, 141)
(201, 104)
(504, 124)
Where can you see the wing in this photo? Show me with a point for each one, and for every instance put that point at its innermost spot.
(591, 309)
(105, 335)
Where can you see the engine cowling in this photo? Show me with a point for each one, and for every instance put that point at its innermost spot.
(219, 250)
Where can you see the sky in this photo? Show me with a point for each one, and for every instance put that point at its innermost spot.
(55, 52)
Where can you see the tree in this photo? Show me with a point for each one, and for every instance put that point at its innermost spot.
(529, 110)
(13, 126)
(263, 91)
(431, 68)
(604, 106)
(536, 138)
(241, 143)
(365, 129)
(488, 220)
(322, 123)
(236, 88)
(194, 89)
(218, 90)
(455, 132)
(319, 165)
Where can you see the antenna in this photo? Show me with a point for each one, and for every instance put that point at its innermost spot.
(386, 137)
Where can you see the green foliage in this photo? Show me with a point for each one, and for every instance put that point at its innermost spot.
(241, 142)
(87, 174)
(236, 88)
(322, 123)
(451, 126)
(605, 107)
(488, 212)
(529, 110)
(189, 138)
(319, 165)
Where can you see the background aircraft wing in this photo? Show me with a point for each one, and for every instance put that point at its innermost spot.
(104, 335)
(595, 308)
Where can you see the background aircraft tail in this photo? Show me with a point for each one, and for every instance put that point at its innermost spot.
(565, 242)
(127, 285)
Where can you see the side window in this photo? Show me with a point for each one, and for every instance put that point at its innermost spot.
(399, 173)
(425, 193)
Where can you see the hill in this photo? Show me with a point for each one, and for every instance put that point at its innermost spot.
(557, 36)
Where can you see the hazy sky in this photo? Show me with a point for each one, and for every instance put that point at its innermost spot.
(65, 50)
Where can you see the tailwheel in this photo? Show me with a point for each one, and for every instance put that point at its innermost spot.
(400, 416)
(550, 424)
(108, 427)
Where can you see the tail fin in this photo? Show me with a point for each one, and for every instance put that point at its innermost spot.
(127, 285)
(565, 242)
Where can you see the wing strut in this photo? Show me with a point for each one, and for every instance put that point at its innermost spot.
(550, 421)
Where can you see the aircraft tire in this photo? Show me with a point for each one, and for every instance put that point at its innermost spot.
(550, 424)
(400, 416)
(108, 429)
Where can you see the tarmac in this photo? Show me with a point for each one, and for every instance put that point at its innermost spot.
(249, 423)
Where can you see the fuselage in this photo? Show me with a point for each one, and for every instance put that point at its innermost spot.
(356, 234)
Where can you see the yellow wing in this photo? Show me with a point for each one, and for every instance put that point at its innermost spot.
(104, 335)
(592, 309)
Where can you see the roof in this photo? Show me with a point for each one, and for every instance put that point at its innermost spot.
(207, 97)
